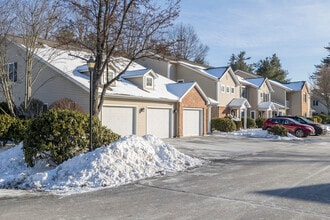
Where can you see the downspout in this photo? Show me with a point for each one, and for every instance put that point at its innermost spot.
(169, 70)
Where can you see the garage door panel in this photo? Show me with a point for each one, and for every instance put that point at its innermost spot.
(159, 122)
(192, 122)
(120, 120)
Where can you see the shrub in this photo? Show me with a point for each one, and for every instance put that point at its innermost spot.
(223, 124)
(317, 118)
(325, 118)
(36, 107)
(259, 122)
(58, 135)
(5, 122)
(250, 122)
(17, 130)
(66, 103)
(278, 130)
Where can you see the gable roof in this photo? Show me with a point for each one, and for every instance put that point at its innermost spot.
(256, 81)
(68, 64)
(239, 102)
(181, 89)
(295, 86)
(278, 84)
(217, 71)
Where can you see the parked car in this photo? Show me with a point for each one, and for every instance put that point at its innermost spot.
(293, 127)
(319, 129)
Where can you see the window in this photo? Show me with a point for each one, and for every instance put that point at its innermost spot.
(253, 116)
(228, 89)
(315, 102)
(305, 97)
(222, 88)
(12, 71)
(244, 92)
(180, 81)
(266, 97)
(149, 82)
(232, 90)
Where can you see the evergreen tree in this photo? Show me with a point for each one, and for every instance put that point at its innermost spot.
(238, 62)
(271, 68)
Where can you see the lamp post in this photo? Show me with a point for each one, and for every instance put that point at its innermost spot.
(91, 64)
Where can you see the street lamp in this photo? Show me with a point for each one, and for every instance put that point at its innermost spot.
(91, 64)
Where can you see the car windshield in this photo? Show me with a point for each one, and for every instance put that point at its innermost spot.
(307, 120)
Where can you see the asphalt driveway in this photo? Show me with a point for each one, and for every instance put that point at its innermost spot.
(244, 178)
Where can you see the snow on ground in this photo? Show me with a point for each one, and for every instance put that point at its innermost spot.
(125, 161)
(256, 133)
(129, 159)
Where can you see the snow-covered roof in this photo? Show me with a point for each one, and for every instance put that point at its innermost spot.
(137, 73)
(266, 106)
(71, 66)
(125, 88)
(239, 102)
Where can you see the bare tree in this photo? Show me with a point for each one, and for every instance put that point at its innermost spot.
(112, 28)
(6, 84)
(320, 81)
(37, 19)
(186, 44)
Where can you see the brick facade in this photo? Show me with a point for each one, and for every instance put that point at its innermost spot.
(192, 100)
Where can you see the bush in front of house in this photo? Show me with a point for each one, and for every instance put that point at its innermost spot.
(250, 122)
(35, 108)
(260, 121)
(223, 124)
(58, 135)
(279, 130)
(5, 122)
(325, 119)
(16, 131)
(66, 103)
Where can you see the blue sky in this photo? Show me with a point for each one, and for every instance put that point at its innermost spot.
(296, 30)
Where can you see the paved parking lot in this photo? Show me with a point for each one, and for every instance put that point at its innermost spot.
(244, 178)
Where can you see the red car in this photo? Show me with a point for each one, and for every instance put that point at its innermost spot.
(293, 127)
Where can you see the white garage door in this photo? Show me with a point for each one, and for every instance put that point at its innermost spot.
(159, 122)
(192, 122)
(120, 120)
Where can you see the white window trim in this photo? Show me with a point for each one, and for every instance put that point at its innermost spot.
(223, 88)
(152, 82)
(232, 90)
(228, 89)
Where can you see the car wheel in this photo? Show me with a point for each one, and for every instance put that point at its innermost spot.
(299, 133)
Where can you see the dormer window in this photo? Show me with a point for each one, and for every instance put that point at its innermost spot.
(149, 82)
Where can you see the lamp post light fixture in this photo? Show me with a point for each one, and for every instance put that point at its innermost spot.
(91, 64)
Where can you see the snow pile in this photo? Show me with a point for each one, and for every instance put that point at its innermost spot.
(127, 160)
(257, 133)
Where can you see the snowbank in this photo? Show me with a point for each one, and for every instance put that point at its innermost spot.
(125, 161)
(256, 133)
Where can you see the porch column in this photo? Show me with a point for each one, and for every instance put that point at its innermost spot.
(245, 118)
